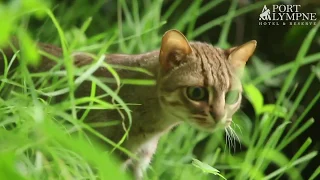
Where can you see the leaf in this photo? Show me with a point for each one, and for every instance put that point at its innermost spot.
(294, 173)
(272, 108)
(316, 70)
(7, 165)
(36, 6)
(255, 97)
(30, 50)
(7, 24)
(206, 168)
(315, 173)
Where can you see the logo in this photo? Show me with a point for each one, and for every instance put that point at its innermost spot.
(265, 14)
(286, 15)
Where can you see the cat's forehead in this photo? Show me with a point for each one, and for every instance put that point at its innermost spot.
(207, 66)
(214, 65)
(204, 50)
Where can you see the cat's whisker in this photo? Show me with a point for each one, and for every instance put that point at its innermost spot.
(232, 138)
(229, 140)
(235, 136)
(225, 146)
(228, 137)
(238, 136)
(236, 125)
(232, 141)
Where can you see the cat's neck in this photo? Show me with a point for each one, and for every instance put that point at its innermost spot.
(149, 60)
(150, 114)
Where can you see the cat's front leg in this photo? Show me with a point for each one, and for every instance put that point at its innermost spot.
(145, 154)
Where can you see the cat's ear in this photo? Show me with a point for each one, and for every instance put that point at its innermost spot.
(174, 48)
(238, 56)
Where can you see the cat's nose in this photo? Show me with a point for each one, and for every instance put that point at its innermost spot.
(217, 115)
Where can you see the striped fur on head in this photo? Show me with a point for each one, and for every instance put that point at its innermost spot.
(200, 83)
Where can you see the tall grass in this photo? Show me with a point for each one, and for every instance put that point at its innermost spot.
(43, 140)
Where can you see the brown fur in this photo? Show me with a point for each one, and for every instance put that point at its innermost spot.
(178, 65)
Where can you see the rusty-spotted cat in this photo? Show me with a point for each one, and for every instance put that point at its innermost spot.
(196, 83)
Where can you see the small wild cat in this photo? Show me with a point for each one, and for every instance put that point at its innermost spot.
(195, 83)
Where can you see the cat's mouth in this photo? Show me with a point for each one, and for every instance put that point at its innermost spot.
(206, 123)
(228, 122)
(203, 123)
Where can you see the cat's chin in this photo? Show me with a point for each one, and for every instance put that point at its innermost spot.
(209, 130)
(207, 126)
(211, 126)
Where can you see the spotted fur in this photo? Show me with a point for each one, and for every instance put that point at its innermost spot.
(177, 66)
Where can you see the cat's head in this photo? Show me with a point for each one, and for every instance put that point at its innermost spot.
(198, 83)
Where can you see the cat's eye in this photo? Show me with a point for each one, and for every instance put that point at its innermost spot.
(232, 96)
(197, 93)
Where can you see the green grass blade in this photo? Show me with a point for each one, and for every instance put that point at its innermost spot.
(315, 174)
(295, 163)
(221, 19)
(223, 39)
